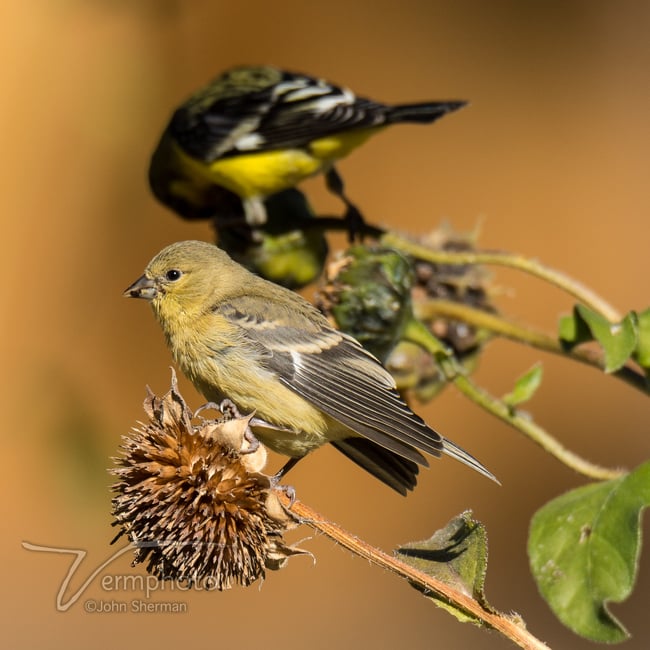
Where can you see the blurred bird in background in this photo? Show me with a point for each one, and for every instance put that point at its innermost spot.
(256, 131)
(289, 250)
(237, 336)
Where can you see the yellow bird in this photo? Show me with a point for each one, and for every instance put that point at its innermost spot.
(258, 130)
(237, 336)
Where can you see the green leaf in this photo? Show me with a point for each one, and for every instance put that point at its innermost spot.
(642, 354)
(584, 548)
(525, 386)
(618, 340)
(455, 555)
(573, 330)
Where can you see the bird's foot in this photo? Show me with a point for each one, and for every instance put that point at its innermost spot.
(355, 222)
(208, 406)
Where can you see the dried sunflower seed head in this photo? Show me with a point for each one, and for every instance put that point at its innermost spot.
(190, 495)
(460, 283)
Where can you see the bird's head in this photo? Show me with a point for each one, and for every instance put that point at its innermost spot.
(186, 277)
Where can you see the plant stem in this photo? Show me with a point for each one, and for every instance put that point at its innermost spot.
(578, 290)
(497, 621)
(533, 431)
(501, 326)
(416, 332)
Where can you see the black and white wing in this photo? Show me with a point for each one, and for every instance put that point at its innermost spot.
(255, 109)
(333, 371)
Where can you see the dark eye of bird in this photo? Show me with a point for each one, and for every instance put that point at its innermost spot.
(173, 274)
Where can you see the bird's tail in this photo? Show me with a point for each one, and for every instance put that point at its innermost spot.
(421, 113)
(391, 469)
(453, 450)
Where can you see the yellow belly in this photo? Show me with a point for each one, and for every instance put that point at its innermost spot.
(338, 146)
(219, 372)
(267, 172)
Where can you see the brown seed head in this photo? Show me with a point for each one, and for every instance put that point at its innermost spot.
(191, 497)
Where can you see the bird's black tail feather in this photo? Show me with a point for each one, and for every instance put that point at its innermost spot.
(422, 113)
(393, 470)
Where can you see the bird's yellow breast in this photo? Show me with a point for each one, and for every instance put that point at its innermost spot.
(221, 365)
(267, 172)
(264, 173)
(339, 145)
(301, 427)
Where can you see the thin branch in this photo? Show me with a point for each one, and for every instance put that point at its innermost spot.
(416, 332)
(501, 326)
(576, 289)
(497, 621)
(533, 431)
(562, 281)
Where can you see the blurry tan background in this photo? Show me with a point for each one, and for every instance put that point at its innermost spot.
(553, 155)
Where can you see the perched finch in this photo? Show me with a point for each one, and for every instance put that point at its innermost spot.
(259, 130)
(269, 351)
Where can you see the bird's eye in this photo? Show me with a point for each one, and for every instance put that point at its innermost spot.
(173, 274)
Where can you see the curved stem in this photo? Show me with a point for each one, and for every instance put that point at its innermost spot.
(532, 267)
(416, 332)
(501, 326)
(426, 583)
(533, 431)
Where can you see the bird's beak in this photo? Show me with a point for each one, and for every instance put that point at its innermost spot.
(143, 287)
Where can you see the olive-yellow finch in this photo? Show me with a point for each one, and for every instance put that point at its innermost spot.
(271, 352)
(258, 130)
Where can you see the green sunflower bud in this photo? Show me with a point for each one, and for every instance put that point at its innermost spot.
(369, 296)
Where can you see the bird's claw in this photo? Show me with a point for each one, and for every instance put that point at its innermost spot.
(253, 442)
(208, 406)
(228, 409)
(289, 490)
